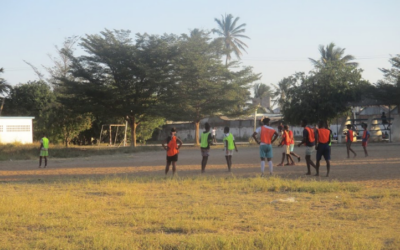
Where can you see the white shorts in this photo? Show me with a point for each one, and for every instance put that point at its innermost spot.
(286, 149)
(310, 150)
(229, 153)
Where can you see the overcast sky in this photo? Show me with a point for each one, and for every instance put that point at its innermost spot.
(284, 34)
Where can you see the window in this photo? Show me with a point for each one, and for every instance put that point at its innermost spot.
(1, 128)
(18, 128)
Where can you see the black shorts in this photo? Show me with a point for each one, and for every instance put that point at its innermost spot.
(324, 150)
(172, 158)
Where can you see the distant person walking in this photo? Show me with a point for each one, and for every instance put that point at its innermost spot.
(285, 144)
(44, 150)
(309, 141)
(365, 138)
(349, 141)
(213, 133)
(267, 136)
(205, 141)
(322, 146)
(172, 149)
(230, 145)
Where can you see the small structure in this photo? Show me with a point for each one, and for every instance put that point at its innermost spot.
(16, 129)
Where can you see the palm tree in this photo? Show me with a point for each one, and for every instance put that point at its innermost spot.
(260, 91)
(281, 90)
(333, 54)
(230, 34)
(4, 89)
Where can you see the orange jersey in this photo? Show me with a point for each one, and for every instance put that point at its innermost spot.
(291, 137)
(266, 135)
(311, 136)
(349, 136)
(285, 138)
(172, 147)
(323, 135)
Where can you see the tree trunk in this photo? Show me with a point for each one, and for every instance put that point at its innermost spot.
(133, 131)
(196, 135)
(2, 105)
(66, 142)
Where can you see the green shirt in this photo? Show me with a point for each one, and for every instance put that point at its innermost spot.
(229, 139)
(45, 143)
(204, 140)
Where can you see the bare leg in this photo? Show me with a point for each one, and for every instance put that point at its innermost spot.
(296, 155)
(283, 159)
(227, 161)
(309, 163)
(204, 163)
(45, 161)
(365, 151)
(350, 149)
(173, 167)
(167, 167)
(328, 167)
(317, 168)
(40, 161)
(289, 157)
(230, 162)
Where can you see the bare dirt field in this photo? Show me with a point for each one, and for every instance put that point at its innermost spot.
(380, 169)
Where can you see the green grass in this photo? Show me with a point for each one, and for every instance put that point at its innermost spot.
(31, 151)
(196, 213)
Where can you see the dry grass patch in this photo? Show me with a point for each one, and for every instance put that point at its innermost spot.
(197, 213)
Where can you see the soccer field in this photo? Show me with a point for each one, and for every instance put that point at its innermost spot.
(124, 202)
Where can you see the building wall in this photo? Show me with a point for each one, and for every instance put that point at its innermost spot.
(16, 129)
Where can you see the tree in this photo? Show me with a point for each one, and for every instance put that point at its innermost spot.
(387, 91)
(120, 78)
(32, 99)
(333, 54)
(281, 90)
(324, 94)
(4, 90)
(231, 35)
(204, 86)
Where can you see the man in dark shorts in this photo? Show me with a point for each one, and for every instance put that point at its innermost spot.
(205, 141)
(309, 140)
(172, 150)
(322, 146)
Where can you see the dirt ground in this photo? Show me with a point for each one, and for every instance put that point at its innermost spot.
(380, 169)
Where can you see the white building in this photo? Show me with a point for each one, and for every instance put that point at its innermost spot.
(16, 129)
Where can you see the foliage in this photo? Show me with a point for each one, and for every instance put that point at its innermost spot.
(333, 54)
(32, 99)
(387, 91)
(281, 90)
(147, 127)
(120, 78)
(204, 86)
(231, 35)
(324, 94)
(4, 87)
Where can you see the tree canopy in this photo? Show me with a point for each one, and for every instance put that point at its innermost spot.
(331, 53)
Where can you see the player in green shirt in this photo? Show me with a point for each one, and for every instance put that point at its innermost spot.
(44, 150)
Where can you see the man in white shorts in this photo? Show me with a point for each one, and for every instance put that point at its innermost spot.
(309, 140)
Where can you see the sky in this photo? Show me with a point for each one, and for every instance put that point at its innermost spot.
(283, 34)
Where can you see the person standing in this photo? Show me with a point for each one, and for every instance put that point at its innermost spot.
(267, 136)
(323, 146)
(285, 143)
(213, 133)
(349, 141)
(365, 138)
(291, 136)
(172, 149)
(309, 141)
(230, 145)
(205, 141)
(44, 150)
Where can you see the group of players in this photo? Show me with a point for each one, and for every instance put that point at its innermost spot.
(317, 139)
